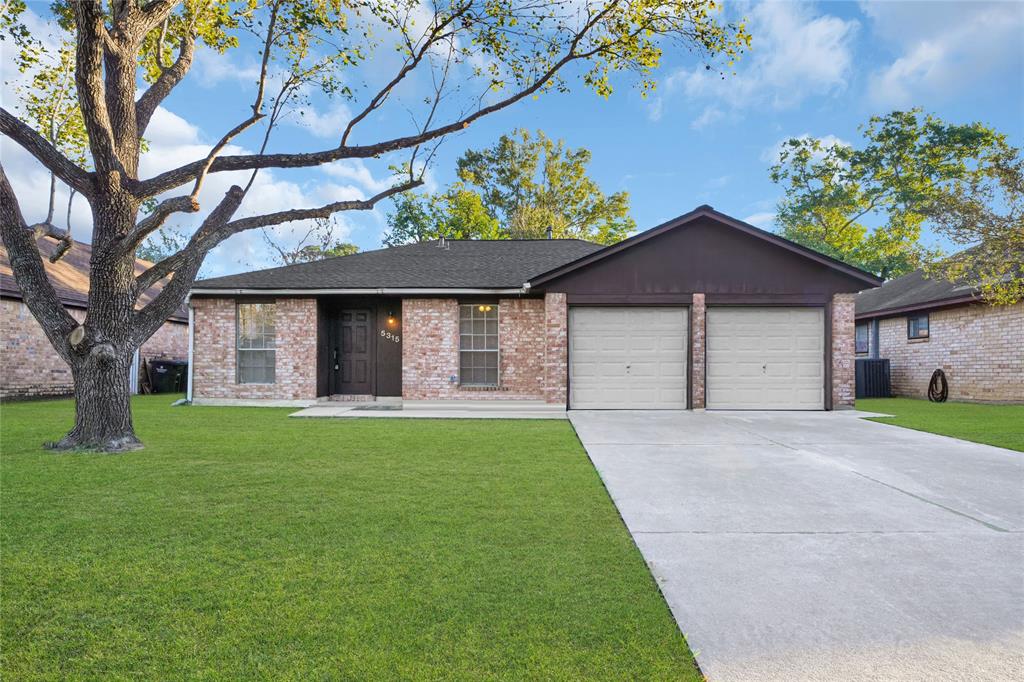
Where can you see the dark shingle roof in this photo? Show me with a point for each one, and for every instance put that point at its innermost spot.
(461, 264)
(911, 291)
(70, 276)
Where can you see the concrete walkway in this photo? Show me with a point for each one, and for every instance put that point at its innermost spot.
(435, 409)
(820, 546)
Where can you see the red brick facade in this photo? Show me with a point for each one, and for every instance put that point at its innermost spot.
(978, 347)
(533, 347)
(531, 334)
(29, 367)
(214, 372)
(697, 334)
(843, 379)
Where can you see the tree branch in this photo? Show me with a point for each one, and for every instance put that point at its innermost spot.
(36, 289)
(92, 37)
(44, 152)
(160, 214)
(146, 105)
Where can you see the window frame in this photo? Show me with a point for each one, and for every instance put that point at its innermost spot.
(239, 350)
(857, 348)
(927, 327)
(497, 340)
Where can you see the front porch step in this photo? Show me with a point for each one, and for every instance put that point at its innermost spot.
(349, 398)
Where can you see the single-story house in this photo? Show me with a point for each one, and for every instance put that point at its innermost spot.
(923, 324)
(702, 311)
(29, 367)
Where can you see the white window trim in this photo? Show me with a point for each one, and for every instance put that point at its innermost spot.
(497, 316)
(239, 349)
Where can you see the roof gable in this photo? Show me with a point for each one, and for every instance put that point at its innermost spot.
(706, 217)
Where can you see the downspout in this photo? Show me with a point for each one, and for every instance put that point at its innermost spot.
(191, 345)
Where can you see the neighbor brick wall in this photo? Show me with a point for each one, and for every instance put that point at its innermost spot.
(843, 379)
(30, 368)
(430, 350)
(698, 334)
(214, 371)
(169, 342)
(979, 348)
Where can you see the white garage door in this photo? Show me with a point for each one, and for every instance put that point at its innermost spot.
(765, 358)
(627, 358)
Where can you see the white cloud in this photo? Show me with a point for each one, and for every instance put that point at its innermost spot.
(765, 220)
(711, 114)
(945, 47)
(211, 69)
(796, 53)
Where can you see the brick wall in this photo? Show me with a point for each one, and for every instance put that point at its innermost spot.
(169, 342)
(979, 347)
(29, 367)
(843, 379)
(528, 362)
(698, 334)
(556, 361)
(214, 373)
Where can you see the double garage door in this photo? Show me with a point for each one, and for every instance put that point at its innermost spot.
(756, 358)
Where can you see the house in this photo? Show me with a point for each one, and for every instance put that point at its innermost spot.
(29, 367)
(702, 311)
(923, 324)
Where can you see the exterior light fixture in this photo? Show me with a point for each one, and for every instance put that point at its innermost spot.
(391, 318)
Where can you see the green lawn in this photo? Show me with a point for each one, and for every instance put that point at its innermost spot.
(241, 544)
(1001, 425)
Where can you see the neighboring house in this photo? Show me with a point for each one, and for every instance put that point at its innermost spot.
(703, 310)
(29, 367)
(923, 324)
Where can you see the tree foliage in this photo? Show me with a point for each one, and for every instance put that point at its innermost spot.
(420, 73)
(866, 204)
(519, 188)
(317, 243)
(985, 214)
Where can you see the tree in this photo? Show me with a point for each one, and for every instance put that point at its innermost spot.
(985, 213)
(316, 244)
(457, 213)
(517, 189)
(532, 184)
(468, 59)
(895, 180)
(161, 244)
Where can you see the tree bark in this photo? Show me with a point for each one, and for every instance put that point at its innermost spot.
(103, 416)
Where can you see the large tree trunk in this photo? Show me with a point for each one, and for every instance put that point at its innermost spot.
(103, 417)
(101, 359)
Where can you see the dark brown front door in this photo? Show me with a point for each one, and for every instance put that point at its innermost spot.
(355, 352)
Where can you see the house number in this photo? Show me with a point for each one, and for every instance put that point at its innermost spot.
(389, 336)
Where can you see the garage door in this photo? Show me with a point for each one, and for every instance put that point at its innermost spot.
(627, 358)
(765, 358)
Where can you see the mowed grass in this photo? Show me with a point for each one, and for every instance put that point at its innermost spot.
(241, 544)
(1001, 425)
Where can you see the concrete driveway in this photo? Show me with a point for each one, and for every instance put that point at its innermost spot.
(820, 546)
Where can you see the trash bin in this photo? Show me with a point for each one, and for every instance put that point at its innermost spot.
(168, 376)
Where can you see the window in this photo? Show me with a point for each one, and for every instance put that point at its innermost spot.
(255, 343)
(861, 338)
(917, 327)
(478, 344)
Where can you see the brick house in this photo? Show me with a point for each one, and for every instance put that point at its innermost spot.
(28, 365)
(702, 311)
(923, 324)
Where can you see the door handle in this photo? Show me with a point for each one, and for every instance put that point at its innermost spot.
(336, 359)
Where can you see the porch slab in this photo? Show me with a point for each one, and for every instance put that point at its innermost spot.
(438, 409)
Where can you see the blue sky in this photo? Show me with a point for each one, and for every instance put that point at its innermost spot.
(818, 69)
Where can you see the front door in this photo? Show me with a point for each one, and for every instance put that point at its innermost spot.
(353, 353)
